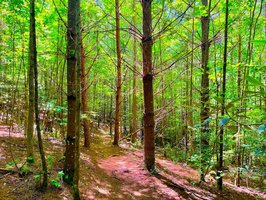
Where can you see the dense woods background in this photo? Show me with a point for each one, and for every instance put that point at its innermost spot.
(183, 78)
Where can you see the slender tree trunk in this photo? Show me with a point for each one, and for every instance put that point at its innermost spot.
(238, 141)
(163, 97)
(134, 96)
(147, 42)
(118, 83)
(30, 117)
(186, 110)
(85, 108)
(264, 62)
(191, 124)
(71, 92)
(111, 115)
(221, 142)
(33, 64)
(124, 115)
(217, 86)
(205, 105)
(78, 43)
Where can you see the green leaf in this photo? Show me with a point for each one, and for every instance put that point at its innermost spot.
(55, 183)
(245, 145)
(37, 177)
(25, 169)
(50, 159)
(259, 41)
(60, 174)
(60, 108)
(218, 99)
(254, 81)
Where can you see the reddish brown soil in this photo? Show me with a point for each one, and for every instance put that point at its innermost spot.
(109, 172)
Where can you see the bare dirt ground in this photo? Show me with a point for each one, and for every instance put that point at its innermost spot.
(107, 172)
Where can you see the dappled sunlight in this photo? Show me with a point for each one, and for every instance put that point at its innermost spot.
(180, 170)
(4, 132)
(129, 168)
(111, 172)
(241, 189)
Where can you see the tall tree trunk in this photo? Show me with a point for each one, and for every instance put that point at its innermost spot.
(78, 43)
(71, 92)
(221, 142)
(111, 115)
(238, 141)
(263, 89)
(186, 109)
(85, 108)
(30, 117)
(118, 83)
(147, 42)
(191, 124)
(124, 115)
(134, 96)
(163, 102)
(33, 64)
(205, 105)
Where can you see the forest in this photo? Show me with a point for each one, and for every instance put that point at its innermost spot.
(133, 99)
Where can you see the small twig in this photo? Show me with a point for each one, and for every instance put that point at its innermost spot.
(10, 149)
(12, 156)
(6, 175)
(114, 175)
(131, 134)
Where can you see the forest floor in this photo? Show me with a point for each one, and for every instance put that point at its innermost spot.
(107, 172)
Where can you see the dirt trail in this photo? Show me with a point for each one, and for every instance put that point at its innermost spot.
(109, 172)
(118, 173)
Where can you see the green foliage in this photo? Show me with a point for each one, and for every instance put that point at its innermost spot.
(55, 183)
(60, 174)
(37, 177)
(25, 169)
(174, 154)
(154, 171)
(194, 160)
(254, 81)
(221, 175)
(50, 161)
(259, 41)
(137, 143)
(30, 160)
(11, 164)
(172, 44)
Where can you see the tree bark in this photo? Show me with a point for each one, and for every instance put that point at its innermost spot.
(33, 64)
(78, 43)
(30, 117)
(147, 42)
(191, 124)
(134, 96)
(118, 83)
(205, 105)
(238, 141)
(221, 142)
(71, 92)
(85, 108)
